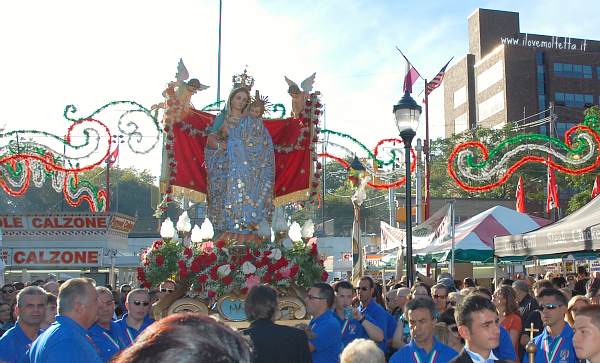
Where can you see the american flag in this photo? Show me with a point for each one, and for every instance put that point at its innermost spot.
(437, 80)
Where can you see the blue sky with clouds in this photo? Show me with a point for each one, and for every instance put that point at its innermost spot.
(88, 53)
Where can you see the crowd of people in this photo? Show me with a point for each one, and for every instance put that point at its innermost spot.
(433, 321)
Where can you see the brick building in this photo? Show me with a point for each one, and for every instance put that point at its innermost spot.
(508, 74)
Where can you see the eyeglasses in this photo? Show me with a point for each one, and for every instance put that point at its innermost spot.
(549, 306)
(312, 297)
(166, 290)
(440, 296)
(138, 303)
(453, 328)
(362, 289)
(452, 303)
(8, 291)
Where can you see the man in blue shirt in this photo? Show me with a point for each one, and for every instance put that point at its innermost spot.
(66, 339)
(136, 319)
(376, 313)
(30, 310)
(555, 343)
(103, 332)
(423, 347)
(325, 334)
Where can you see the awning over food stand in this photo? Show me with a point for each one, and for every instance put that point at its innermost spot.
(579, 231)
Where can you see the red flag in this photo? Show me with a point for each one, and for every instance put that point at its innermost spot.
(596, 189)
(411, 77)
(112, 158)
(551, 191)
(411, 74)
(520, 195)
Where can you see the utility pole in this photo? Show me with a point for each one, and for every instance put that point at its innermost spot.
(419, 184)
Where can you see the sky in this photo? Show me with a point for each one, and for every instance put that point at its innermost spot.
(85, 53)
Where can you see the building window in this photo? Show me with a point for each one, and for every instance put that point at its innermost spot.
(578, 100)
(562, 127)
(569, 70)
(460, 96)
(491, 106)
(461, 123)
(490, 76)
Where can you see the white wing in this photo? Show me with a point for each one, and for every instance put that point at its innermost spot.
(307, 84)
(290, 82)
(182, 72)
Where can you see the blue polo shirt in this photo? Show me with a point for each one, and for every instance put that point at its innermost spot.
(439, 353)
(506, 349)
(351, 329)
(554, 350)
(105, 341)
(379, 318)
(327, 340)
(125, 334)
(64, 341)
(14, 344)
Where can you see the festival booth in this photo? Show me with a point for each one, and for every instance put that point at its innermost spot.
(576, 234)
(64, 241)
(474, 238)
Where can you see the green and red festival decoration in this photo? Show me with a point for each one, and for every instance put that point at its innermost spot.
(476, 169)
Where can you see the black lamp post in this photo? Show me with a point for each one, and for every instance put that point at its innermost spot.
(407, 113)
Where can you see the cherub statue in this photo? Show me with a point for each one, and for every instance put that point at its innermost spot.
(299, 97)
(180, 89)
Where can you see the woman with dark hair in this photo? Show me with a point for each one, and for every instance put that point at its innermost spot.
(508, 310)
(187, 338)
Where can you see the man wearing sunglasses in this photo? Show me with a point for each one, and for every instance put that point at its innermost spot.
(165, 289)
(324, 332)
(136, 319)
(555, 343)
(376, 313)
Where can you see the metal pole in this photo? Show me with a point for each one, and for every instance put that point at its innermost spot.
(426, 151)
(108, 185)
(419, 184)
(391, 205)
(452, 270)
(219, 55)
(407, 136)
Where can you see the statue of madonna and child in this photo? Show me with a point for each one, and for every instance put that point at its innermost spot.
(240, 164)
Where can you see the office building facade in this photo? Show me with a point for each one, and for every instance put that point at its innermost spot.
(508, 76)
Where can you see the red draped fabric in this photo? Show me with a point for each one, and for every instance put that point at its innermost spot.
(293, 169)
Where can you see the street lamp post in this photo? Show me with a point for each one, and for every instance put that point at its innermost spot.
(407, 113)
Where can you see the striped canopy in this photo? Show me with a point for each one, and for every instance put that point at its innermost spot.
(474, 241)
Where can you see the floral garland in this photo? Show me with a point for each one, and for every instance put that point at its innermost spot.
(215, 269)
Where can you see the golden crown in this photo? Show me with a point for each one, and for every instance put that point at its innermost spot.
(243, 80)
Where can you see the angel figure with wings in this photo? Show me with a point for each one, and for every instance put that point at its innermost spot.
(299, 97)
(181, 89)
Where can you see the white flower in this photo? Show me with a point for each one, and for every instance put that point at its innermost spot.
(308, 229)
(166, 229)
(295, 232)
(196, 234)
(183, 223)
(207, 231)
(276, 254)
(224, 270)
(248, 268)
